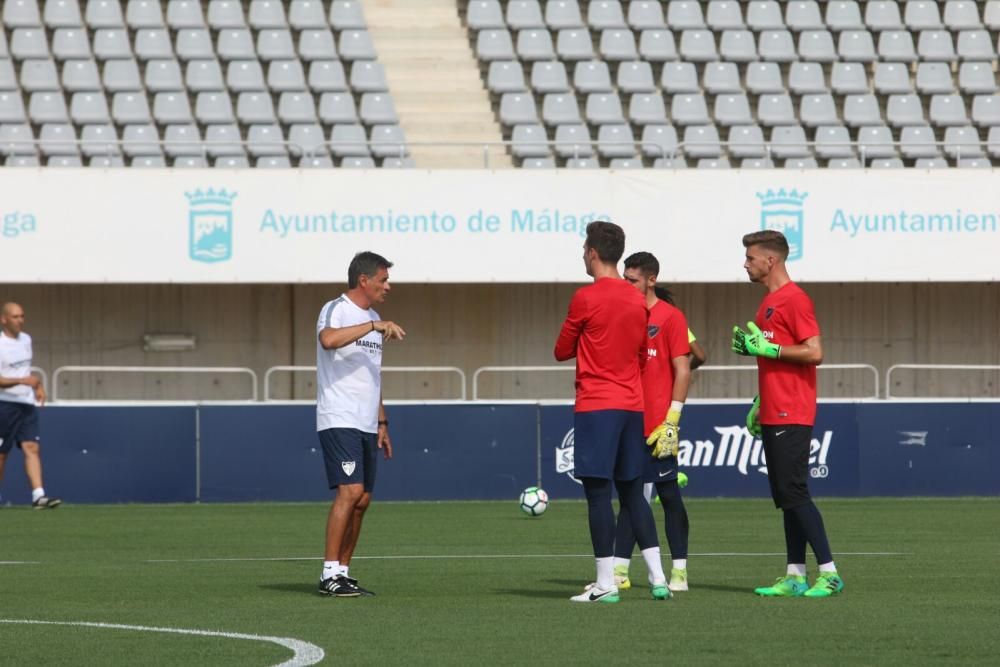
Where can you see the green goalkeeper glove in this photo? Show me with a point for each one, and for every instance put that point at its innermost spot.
(665, 438)
(753, 418)
(753, 344)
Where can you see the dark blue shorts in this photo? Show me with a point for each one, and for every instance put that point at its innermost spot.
(18, 423)
(350, 455)
(608, 444)
(659, 470)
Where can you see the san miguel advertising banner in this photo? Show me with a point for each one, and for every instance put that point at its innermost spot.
(217, 226)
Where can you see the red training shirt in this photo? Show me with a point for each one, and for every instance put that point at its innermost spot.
(787, 390)
(667, 338)
(606, 331)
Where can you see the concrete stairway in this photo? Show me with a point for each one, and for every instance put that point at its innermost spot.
(435, 82)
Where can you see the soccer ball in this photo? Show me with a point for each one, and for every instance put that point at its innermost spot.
(534, 501)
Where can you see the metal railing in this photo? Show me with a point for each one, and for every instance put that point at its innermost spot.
(236, 370)
(385, 369)
(513, 369)
(931, 367)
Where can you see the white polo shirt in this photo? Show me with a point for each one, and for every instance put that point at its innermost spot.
(15, 362)
(348, 379)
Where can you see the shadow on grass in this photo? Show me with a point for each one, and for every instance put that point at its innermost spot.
(567, 587)
(299, 588)
(725, 588)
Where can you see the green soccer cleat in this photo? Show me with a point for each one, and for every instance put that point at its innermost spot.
(827, 584)
(788, 586)
(678, 579)
(621, 578)
(660, 592)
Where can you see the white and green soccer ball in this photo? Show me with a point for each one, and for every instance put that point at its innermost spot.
(534, 501)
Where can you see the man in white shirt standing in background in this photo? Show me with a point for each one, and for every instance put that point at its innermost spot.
(19, 391)
(350, 417)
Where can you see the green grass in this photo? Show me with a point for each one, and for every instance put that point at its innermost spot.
(937, 603)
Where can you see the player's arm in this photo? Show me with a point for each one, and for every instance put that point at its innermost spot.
(698, 354)
(569, 334)
(31, 381)
(809, 352)
(384, 443)
(332, 338)
(682, 377)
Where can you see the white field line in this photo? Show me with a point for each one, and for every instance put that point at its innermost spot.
(304, 653)
(499, 556)
(20, 562)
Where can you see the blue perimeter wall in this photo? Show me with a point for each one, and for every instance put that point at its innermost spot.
(253, 452)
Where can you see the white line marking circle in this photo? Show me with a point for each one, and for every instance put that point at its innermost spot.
(304, 653)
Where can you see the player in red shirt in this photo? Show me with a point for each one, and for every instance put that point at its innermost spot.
(785, 338)
(606, 331)
(665, 380)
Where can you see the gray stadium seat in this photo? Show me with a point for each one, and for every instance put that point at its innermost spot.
(245, 75)
(529, 141)
(212, 108)
(389, 141)
(922, 15)
(232, 162)
(789, 141)
(806, 78)
(111, 43)
(776, 46)
(573, 141)
(689, 110)
(645, 15)
(603, 109)
(721, 78)
(327, 76)
(16, 139)
(645, 109)
(324, 162)
(368, 77)
(506, 76)
(604, 14)
(182, 140)
(70, 43)
(495, 45)
(856, 46)
(975, 78)
(286, 75)
(317, 44)
(659, 141)
(800, 163)
(524, 15)
(122, 76)
(266, 15)
(308, 15)
(561, 14)
(832, 142)
(894, 78)
(265, 140)
(936, 45)
(993, 140)
(670, 163)
(713, 163)
(934, 78)
(171, 107)
(897, 46)
(47, 108)
(903, 110)
(917, 141)
(275, 45)
(235, 44)
(625, 163)
(39, 74)
(63, 14)
(615, 141)
(636, 77)
(974, 163)
(875, 143)
(8, 78)
(862, 109)
(756, 163)
(817, 46)
(140, 139)
(194, 44)
(225, 15)
(724, 15)
(337, 109)
(931, 163)
(184, 14)
(189, 162)
(775, 110)
(764, 16)
(583, 163)
(86, 108)
(202, 75)
(29, 43)
(80, 75)
(883, 16)
(349, 141)
(737, 46)
(702, 141)
(845, 16)
(144, 14)
(307, 139)
(295, 108)
(657, 46)
(347, 15)
(732, 110)
(844, 163)
(962, 142)
(485, 15)
(801, 16)
(255, 108)
(698, 46)
(986, 110)
(153, 43)
(163, 75)
(21, 14)
(685, 15)
(377, 109)
(618, 45)
(764, 78)
(592, 77)
(535, 45)
(104, 14)
(516, 109)
(558, 108)
(948, 111)
(12, 108)
(848, 79)
(817, 110)
(22, 161)
(398, 163)
(546, 77)
(679, 77)
(991, 15)
(64, 161)
(975, 45)
(356, 45)
(224, 141)
(130, 108)
(747, 142)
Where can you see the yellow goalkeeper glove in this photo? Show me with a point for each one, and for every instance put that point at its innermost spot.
(665, 438)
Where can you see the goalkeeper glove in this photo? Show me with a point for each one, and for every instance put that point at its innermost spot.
(753, 418)
(753, 344)
(665, 438)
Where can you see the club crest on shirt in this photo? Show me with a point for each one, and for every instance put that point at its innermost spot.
(652, 330)
(768, 313)
(348, 467)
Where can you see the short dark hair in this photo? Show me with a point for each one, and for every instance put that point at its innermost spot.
(608, 239)
(365, 264)
(769, 239)
(646, 262)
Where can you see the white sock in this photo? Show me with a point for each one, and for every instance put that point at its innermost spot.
(622, 562)
(344, 569)
(827, 567)
(331, 569)
(649, 491)
(605, 573)
(796, 569)
(37, 493)
(653, 564)
(680, 563)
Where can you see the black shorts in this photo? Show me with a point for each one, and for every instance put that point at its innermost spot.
(786, 448)
(608, 444)
(18, 423)
(350, 455)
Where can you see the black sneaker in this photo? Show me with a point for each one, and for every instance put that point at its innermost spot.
(340, 587)
(46, 503)
(364, 591)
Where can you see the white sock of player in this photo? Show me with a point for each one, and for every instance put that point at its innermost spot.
(605, 573)
(344, 569)
(653, 564)
(331, 569)
(649, 491)
(680, 564)
(796, 569)
(622, 562)
(37, 493)
(827, 567)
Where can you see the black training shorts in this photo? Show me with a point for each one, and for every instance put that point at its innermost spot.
(786, 448)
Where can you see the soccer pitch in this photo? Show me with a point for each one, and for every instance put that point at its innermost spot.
(465, 582)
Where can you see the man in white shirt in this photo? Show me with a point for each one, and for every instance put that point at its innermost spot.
(19, 391)
(350, 417)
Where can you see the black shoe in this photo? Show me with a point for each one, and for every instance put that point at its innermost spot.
(46, 503)
(340, 587)
(364, 591)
